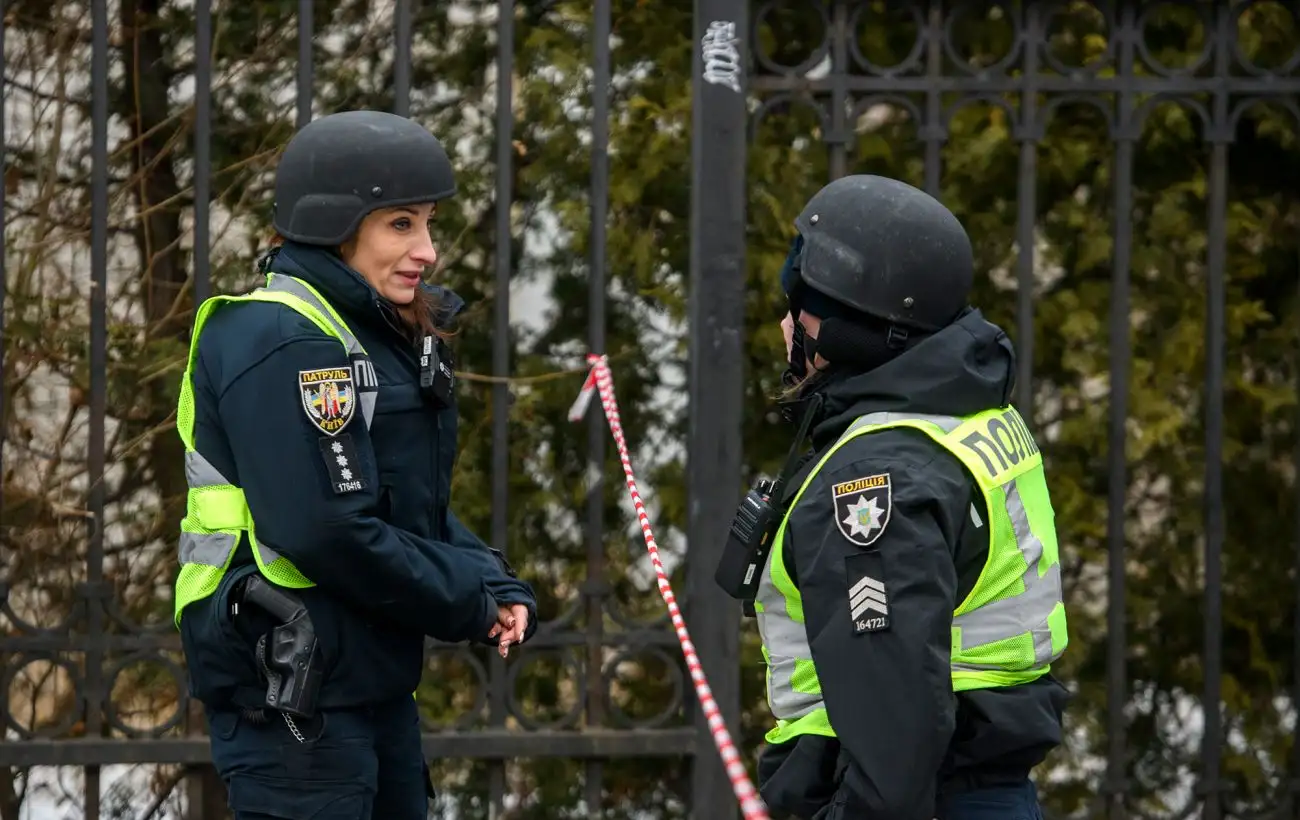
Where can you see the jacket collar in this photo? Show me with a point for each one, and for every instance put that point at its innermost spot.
(965, 368)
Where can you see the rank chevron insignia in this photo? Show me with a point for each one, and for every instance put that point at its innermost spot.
(868, 595)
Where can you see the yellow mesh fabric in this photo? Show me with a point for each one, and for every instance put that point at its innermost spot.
(1013, 654)
(1004, 566)
(194, 583)
(185, 412)
(197, 581)
(816, 722)
(222, 508)
(804, 678)
(281, 570)
(1060, 633)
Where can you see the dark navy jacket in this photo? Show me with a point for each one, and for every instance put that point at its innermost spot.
(905, 741)
(391, 561)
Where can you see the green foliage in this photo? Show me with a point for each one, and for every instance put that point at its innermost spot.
(1168, 237)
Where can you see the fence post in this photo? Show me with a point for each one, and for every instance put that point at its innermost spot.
(717, 304)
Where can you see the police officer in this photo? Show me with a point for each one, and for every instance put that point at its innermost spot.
(319, 547)
(910, 607)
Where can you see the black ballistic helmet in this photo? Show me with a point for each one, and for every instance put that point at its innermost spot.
(339, 168)
(888, 250)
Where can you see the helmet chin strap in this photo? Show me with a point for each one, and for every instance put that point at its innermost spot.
(797, 365)
(810, 347)
(803, 349)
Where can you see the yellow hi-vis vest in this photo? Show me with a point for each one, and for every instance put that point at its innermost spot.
(216, 513)
(1011, 626)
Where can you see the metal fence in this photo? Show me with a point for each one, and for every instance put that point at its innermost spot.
(729, 72)
(935, 82)
(98, 639)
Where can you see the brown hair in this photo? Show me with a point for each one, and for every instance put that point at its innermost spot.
(418, 315)
(794, 391)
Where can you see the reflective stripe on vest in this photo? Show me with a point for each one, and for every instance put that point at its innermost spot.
(217, 514)
(1008, 630)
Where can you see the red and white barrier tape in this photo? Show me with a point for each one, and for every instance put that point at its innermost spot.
(599, 379)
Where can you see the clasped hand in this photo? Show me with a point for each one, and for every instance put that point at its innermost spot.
(511, 625)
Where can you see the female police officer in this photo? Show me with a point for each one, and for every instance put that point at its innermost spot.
(318, 548)
(910, 607)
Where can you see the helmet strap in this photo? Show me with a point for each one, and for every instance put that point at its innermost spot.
(797, 366)
(265, 260)
(809, 345)
(864, 345)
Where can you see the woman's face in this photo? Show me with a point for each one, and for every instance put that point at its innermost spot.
(391, 250)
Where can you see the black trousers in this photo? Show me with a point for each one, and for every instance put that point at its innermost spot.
(354, 764)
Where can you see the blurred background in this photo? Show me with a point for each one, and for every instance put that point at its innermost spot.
(629, 173)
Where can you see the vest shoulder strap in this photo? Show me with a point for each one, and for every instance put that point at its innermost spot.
(870, 423)
(303, 299)
(994, 444)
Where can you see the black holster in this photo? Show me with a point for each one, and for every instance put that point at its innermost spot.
(288, 656)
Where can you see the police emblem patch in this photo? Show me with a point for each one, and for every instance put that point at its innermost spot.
(862, 507)
(328, 397)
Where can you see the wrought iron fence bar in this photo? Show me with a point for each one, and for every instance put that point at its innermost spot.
(94, 695)
(4, 163)
(4, 537)
(839, 138)
(930, 131)
(1116, 780)
(1294, 791)
(719, 89)
(939, 83)
(305, 67)
(504, 258)
(402, 58)
(484, 744)
(647, 637)
(1220, 134)
(1212, 739)
(202, 149)
(37, 644)
(593, 780)
(1026, 217)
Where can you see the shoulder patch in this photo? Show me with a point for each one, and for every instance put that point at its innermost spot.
(342, 464)
(868, 590)
(862, 507)
(329, 398)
